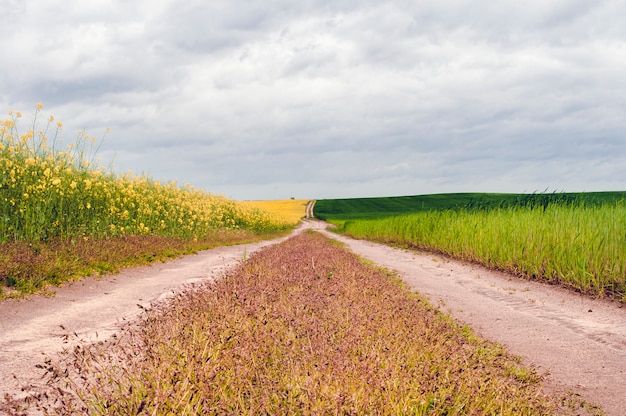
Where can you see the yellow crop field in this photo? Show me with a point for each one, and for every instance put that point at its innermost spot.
(291, 210)
(46, 192)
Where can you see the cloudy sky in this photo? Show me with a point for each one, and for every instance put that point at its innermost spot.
(332, 98)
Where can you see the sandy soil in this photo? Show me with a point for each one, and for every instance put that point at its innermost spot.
(579, 342)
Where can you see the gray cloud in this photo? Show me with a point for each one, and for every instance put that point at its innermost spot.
(333, 99)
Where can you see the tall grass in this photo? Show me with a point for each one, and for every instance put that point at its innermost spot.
(578, 245)
(46, 192)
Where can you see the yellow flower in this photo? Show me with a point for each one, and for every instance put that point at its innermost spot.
(39, 106)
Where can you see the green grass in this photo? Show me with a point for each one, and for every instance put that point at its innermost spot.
(576, 240)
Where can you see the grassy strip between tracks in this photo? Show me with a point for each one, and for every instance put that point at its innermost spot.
(302, 327)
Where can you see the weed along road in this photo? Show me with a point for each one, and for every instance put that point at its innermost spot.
(579, 342)
(94, 309)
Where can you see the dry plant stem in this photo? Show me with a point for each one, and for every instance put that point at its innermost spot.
(303, 327)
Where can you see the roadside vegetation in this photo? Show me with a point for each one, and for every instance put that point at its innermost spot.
(576, 240)
(302, 327)
(62, 216)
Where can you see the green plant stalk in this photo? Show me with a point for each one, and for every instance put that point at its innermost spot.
(580, 246)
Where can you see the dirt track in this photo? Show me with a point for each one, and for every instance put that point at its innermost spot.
(581, 342)
(93, 309)
(578, 341)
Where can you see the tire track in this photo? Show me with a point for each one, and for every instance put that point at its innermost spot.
(578, 342)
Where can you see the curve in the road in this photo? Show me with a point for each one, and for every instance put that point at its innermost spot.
(309, 210)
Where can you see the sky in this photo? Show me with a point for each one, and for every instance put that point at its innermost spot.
(277, 99)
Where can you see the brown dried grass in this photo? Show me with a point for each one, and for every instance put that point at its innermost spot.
(29, 267)
(303, 327)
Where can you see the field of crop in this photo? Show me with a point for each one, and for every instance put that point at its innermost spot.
(303, 327)
(576, 240)
(292, 210)
(340, 210)
(57, 203)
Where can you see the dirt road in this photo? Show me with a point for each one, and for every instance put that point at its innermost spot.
(309, 209)
(94, 309)
(581, 342)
